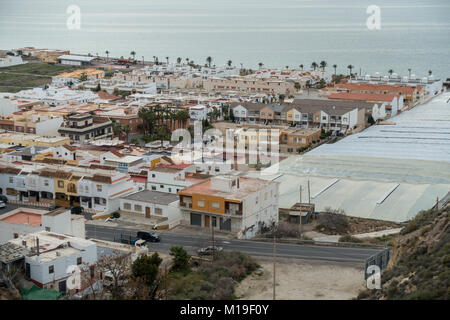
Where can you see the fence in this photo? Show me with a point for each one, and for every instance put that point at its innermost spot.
(379, 259)
(321, 243)
(30, 203)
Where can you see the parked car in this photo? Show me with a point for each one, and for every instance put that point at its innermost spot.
(76, 210)
(2, 205)
(51, 208)
(207, 251)
(148, 236)
(3, 198)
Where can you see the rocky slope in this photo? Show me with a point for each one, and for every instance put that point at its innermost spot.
(420, 263)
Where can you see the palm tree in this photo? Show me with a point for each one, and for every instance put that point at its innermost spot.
(209, 60)
(409, 71)
(229, 63)
(133, 53)
(323, 64)
(167, 59)
(314, 65)
(126, 130)
(301, 67)
(350, 67)
(260, 65)
(390, 72)
(178, 60)
(430, 72)
(335, 67)
(107, 56)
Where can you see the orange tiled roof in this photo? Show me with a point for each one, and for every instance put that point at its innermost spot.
(362, 96)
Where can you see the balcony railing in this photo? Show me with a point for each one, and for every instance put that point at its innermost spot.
(186, 205)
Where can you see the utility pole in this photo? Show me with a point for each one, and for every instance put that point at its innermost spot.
(309, 193)
(213, 220)
(274, 261)
(301, 226)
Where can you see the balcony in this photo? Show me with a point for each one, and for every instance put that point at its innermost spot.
(233, 212)
(186, 205)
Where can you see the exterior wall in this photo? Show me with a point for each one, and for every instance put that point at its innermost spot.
(259, 208)
(240, 112)
(49, 127)
(7, 230)
(40, 271)
(7, 107)
(250, 85)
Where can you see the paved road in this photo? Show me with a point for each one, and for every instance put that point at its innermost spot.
(256, 248)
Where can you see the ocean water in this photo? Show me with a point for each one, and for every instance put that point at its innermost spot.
(414, 33)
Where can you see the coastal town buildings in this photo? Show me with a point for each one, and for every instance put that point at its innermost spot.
(75, 76)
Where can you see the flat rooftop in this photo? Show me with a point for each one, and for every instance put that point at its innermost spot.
(26, 216)
(246, 186)
(153, 197)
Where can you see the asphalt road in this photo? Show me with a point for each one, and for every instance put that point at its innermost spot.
(256, 248)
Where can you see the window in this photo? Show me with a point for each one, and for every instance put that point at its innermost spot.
(170, 189)
(79, 261)
(51, 269)
(137, 207)
(99, 188)
(16, 235)
(201, 203)
(46, 183)
(127, 206)
(11, 180)
(158, 211)
(215, 205)
(153, 175)
(161, 186)
(60, 184)
(153, 188)
(47, 229)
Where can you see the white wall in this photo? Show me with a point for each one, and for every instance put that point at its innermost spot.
(7, 230)
(7, 107)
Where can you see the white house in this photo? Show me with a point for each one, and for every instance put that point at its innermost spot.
(171, 178)
(52, 255)
(199, 112)
(7, 107)
(7, 60)
(101, 192)
(148, 203)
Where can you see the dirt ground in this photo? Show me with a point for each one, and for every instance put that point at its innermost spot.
(303, 280)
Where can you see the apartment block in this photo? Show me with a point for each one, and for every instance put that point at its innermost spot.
(230, 203)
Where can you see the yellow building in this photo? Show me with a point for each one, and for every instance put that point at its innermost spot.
(14, 139)
(74, 76)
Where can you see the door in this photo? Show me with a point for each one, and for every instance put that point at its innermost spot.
(225, 225)
(196, 219)
(147, 212)
(207, 221)
(27, 270)
(62, 286)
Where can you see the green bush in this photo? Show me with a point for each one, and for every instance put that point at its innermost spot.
(116, 215)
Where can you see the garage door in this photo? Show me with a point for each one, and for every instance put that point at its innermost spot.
(225, 225)
(196, 219)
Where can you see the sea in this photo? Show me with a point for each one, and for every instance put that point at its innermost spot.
(401, 35)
